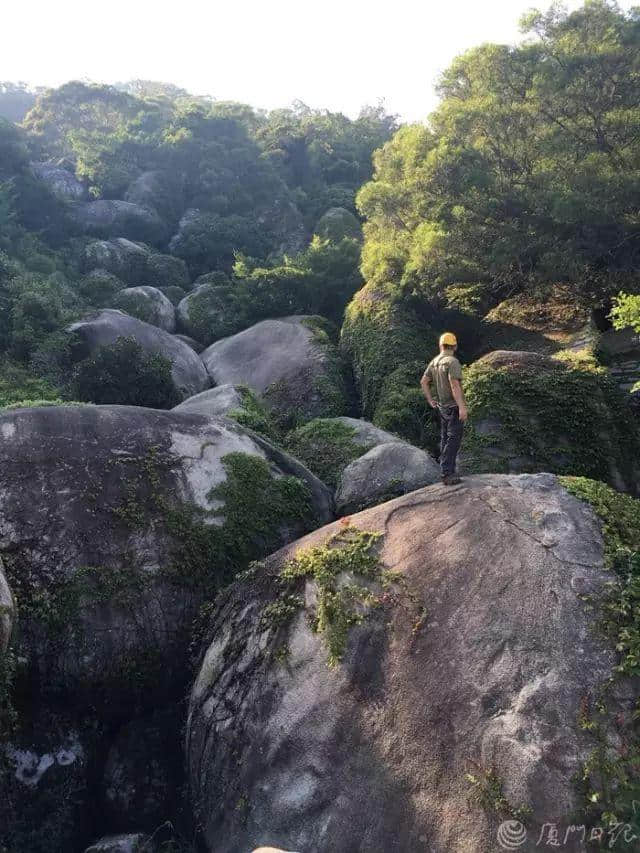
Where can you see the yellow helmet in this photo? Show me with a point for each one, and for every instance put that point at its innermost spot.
(448, 340)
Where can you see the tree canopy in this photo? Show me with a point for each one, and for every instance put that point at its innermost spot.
(528, 171)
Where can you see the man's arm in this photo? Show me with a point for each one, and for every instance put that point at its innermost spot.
(458, 396)
(425, 384)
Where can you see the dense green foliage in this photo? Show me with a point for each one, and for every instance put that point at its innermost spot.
(505, 187)
(553, 417)
(626, 312)
(123, 373)
(254, 415)
(325, 446)
(240, 191)
(610, 777)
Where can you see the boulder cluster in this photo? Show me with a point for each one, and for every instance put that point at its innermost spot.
(257, 617)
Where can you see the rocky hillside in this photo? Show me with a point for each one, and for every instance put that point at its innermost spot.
(237, 606)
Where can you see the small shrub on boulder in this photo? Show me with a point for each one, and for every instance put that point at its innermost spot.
(125, 373)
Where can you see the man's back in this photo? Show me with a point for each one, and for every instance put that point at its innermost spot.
(441, 370)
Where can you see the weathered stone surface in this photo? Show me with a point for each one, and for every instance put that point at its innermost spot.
(157, 190)
(214, 401)
(366, 434)
(283, 362)
(60, 181)
(7, 612)
(480, 661)
(105, 327)
(86, 502)
(196, 346)
(147, 304)
(123, 258)
(113, 218)
(383, 472)
(44, 786)
(132, 842)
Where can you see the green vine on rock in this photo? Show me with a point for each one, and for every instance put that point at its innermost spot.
(611, 777)
(350, 581)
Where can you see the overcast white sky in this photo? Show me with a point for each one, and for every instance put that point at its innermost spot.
(338, 54)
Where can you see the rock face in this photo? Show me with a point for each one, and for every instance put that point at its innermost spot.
(528, 412)
(120, 257)
(286, 363)
(132, 842)
(7, 613)
(105, 327)
(108, 496)
(366, 434)
(196, 346)
(154, 189)
(385, 471)
(61, 182)
(113, 218)
(200, 313)
(470, 664)
(215, 401)
(148, 304)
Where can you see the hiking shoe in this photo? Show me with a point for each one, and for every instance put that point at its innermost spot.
(451, 480)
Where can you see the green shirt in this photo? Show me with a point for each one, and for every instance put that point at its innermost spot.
(440, 371)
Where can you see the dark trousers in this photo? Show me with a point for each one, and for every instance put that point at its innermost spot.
(450, 438)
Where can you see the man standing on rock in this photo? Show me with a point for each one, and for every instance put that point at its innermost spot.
(445, 372)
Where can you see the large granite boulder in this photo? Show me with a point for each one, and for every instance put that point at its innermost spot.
(105, 327)
(289, 362)
(159, 191)
(148, 304)
(328, 445)
(117, 523)
(7, 613)
(60, 181)
(112, 218)
(233, 401)
(105, 510)
(213, 401)
(529, 412)
(471, 664)
(120, 257)
(204, 313)
(384, 472)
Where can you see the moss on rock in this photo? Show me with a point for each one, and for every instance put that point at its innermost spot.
(610, 779)
(545, 416)
(326, 446)
(254, 415)
(380, 334)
